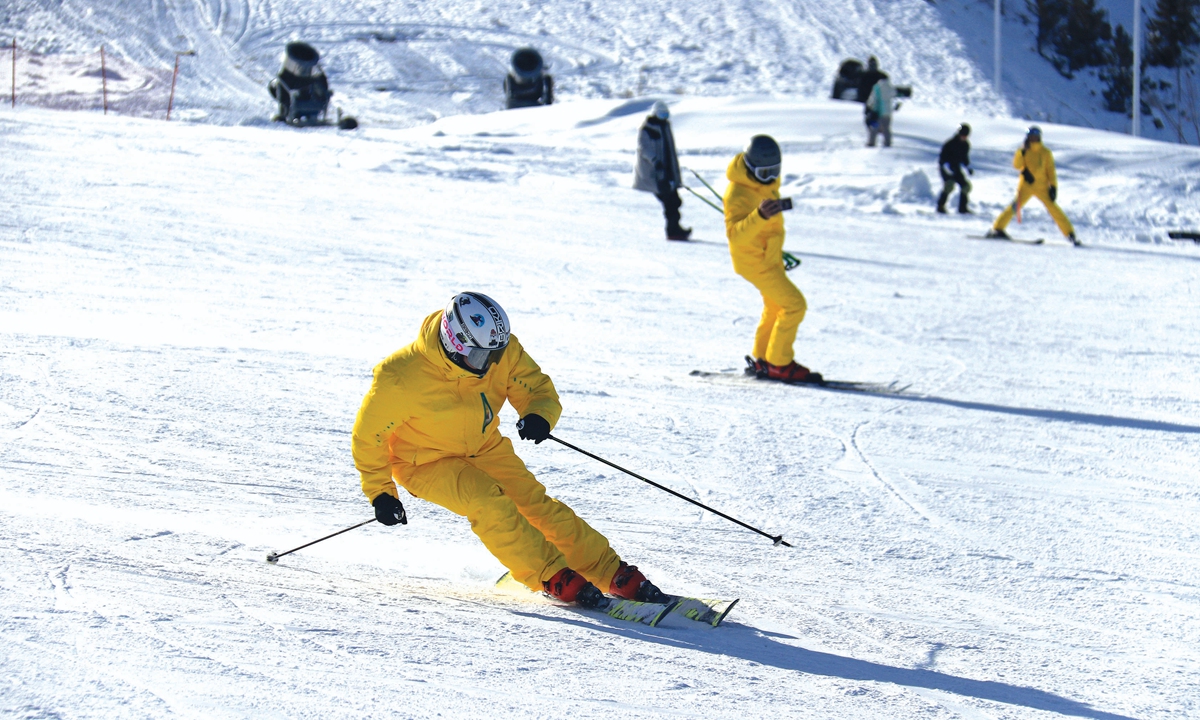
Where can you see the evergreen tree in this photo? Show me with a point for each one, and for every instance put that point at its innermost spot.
(1173, 32)
(1071, 34)
(1083, 36)
(1050, 16)
(1118, 74)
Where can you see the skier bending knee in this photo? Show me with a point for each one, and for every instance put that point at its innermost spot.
(430, 425)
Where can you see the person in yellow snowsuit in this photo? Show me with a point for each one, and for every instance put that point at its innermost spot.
(430, 425)
(754, 226)
(1038, 179)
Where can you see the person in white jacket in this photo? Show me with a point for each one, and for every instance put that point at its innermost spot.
(656, 169)
(878, 112)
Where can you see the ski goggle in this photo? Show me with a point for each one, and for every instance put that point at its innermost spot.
(480, 359)
(767, 173)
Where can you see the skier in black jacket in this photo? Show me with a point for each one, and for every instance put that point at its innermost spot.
(952, 161)
(867, 80)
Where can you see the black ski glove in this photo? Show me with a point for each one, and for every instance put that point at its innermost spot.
(533, 427)
(389, 511)
(1053, 193)
(1028, 176)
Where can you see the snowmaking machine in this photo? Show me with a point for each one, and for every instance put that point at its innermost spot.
(302, 90)
(527, 84)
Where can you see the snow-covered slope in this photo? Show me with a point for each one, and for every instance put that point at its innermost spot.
(1031, 86)
(189, 315)
(405, 63)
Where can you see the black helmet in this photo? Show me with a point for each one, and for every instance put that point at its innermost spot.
(763, 158)
(964, 129)
(872, 63)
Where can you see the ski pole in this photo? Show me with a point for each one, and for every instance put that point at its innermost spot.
(710, 187)
(778, 539)
(703, 199)
(274, 557)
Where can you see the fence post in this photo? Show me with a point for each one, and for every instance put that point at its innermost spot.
(175, 75)
(104, 79)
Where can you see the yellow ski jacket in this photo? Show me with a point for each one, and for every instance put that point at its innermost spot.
(1038, 160)
(755, 244)
(421, 407)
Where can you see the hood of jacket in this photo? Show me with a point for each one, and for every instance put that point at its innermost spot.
(755, 243)
(737, 172)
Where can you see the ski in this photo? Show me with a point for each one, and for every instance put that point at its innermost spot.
(617, 608)
(711, 612)
(1019, 241)
(869, 388)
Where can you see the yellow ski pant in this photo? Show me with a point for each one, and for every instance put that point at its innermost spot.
(532, 535)
(1026, 191)
(783, 310)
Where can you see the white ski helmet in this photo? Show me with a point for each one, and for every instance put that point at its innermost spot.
(660, 110)
(474, 331)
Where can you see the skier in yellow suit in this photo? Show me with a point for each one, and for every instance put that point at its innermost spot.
(1038, 179)
(429, 424)
(754, 226)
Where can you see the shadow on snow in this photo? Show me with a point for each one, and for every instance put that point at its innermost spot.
(1057, 415)
(752, 645)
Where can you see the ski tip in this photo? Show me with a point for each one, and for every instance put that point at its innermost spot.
(721, 617)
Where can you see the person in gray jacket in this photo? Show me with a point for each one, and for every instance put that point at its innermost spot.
(657, 167)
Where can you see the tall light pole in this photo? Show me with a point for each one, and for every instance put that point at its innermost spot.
(996, 43)
(1137, 67)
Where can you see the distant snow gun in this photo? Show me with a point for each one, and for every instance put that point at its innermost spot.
(777, 539)
(790, 261)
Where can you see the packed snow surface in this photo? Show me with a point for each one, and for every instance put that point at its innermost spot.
(190, 315)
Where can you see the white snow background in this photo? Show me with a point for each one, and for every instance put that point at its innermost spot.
(190, 313)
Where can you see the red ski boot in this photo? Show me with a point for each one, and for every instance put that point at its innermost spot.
(631, 584)
(569, 586)
(792, 372)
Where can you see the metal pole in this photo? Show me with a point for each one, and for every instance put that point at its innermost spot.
(104, 79)
(174, 75)
(1137, 68)
(996, 43)
(778, 539)
(274, 557)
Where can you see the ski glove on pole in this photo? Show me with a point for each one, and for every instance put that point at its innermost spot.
(1028, 176)
(389, 511)
(533, 427)
(1053, 193)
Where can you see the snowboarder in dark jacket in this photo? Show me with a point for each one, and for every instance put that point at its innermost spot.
(867, 80)
(954, 159)
(657, 167)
